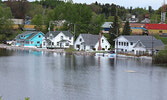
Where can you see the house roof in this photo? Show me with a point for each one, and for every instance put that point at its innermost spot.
(156, 44)
(107, 24)
(90, 39)
(55, 33)
(156, 26)
(135, 38)
(33, 33)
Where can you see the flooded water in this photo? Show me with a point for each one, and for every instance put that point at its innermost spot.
(48, 76)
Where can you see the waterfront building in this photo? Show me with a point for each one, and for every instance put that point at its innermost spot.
(138, 45)
(90, 42)
(156, 28)
(29, 39)
(58, 39)
(106, 27)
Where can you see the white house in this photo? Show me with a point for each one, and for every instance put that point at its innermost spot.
(91, 42)
(58, 39)
(106, 27)
(138, 45)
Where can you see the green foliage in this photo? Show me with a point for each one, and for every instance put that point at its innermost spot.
(96, 23)
(35, 9)
(114, 31)
(126, 30)
(163, 39)
(27, 98)
(5, 23)
(160, 58)
(37, 20)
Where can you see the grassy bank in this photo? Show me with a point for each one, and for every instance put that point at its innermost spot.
(161, 57)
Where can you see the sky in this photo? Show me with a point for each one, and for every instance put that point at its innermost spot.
(126, 3)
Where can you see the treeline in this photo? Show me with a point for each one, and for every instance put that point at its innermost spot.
(81, 17)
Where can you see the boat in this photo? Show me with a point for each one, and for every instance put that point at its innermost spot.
(109, 55)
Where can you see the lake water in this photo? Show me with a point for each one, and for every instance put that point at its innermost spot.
(51, 76)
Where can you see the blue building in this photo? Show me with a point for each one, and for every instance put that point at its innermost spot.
(29, 39)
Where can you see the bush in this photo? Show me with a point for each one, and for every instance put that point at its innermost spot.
(103, 48)
(160, 58)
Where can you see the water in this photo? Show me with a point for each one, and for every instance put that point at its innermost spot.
(47, 76)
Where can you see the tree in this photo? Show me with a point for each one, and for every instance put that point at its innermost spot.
(96, 23)
(19, 8)
(37, 20)
(114, 30)
(126, 30)
(5, 23)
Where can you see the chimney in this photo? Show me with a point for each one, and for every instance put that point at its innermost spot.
(99, 48)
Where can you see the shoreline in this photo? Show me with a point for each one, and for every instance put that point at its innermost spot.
(4, 46)
(82, 53)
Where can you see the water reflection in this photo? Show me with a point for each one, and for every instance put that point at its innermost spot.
(51, 76)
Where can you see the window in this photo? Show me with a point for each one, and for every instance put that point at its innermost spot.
(102, 41)
(67, 44)
(69, 38)
(32, 42)
(119, 43)
(61, 37)
(80, 40)
(39, 36)
(127, 44)
(140, 45)
(132, 50)
(38, 42)
(124, 43)
(78, 46)
(44, 43)
(58, 43)
(105, 47)
(52, 43)
(131, 43)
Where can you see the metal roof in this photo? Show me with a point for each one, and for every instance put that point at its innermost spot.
(90, 39)
(107, 24)
(135, 38)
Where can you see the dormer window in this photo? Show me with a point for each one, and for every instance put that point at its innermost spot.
(39, 36)
(61, 37)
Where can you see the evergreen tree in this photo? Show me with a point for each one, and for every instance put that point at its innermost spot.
(114, 30)
(126, 30)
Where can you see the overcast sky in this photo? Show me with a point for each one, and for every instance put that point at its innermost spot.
(126, 3)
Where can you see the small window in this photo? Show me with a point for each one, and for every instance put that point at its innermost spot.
(44, 43)
(140, 45)
(80, 40)
(52, 43)
(58, 43)
(127, 44)
(61, 37)
(131, 43)
(124, 43)
(132, 50)
(106, 47)
(67, 44)
(38, 42)
(39, 36)
(102, 41)
(69, 38)
(119, 43)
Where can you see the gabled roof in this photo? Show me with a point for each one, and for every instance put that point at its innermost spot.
(107, 24)
(90, 39)
(156, 44)
(33, 33)
(55, 33)
(135, 38)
